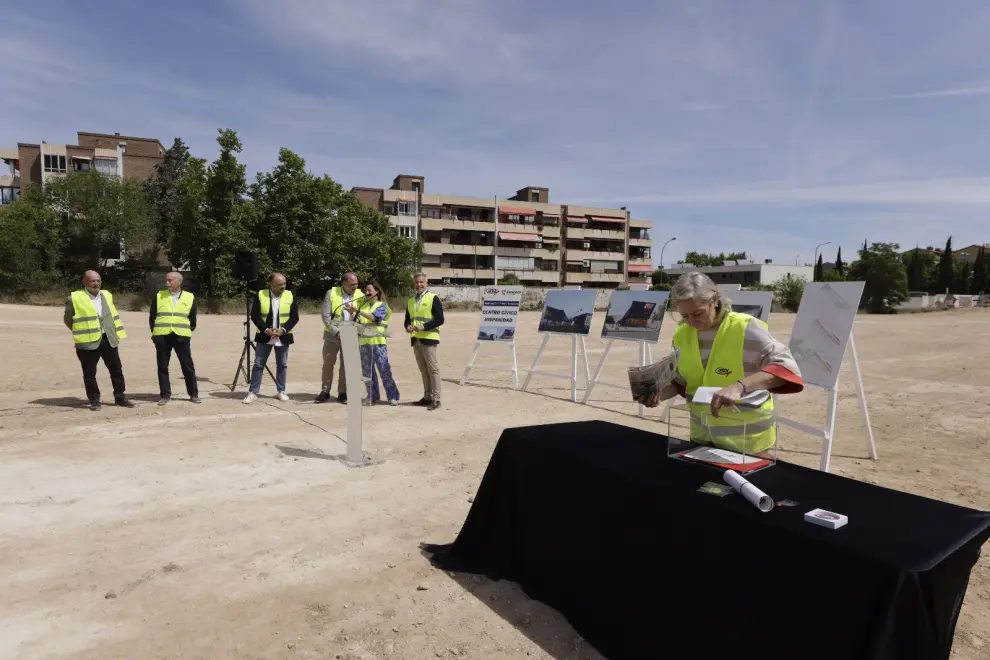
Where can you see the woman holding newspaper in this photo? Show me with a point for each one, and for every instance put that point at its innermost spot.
(716, 347)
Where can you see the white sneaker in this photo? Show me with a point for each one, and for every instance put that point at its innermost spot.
(393, 402)
(251, 396)
(282, 396)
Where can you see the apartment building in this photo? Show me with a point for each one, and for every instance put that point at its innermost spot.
(113, 155)
(472, 240)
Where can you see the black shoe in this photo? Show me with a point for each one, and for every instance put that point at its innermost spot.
(323, 397)
(195, 399)
(423, 402)
(434, 405)
(164, 400)
(95, 405)
(124, 402)
(341, 398)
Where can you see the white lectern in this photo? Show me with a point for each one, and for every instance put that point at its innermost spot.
(349, 332)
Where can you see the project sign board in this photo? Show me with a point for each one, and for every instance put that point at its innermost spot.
(822, 329)
(754, 303)
(568, 311)
(635, 315)
(499, 311)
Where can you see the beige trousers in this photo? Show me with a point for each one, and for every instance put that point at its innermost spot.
(331, 351)
(429, 369)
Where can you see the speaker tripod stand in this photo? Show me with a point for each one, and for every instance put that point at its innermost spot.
(244, 364)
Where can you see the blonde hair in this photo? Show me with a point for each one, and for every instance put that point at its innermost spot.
(698, 286)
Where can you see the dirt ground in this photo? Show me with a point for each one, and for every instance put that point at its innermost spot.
(185, 532)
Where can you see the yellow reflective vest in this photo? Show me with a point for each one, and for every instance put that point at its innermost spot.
(86, 326)
(336, 295)
(422, 312)
(376, 331)
(284, 306)
(750, 430)
(169, 319)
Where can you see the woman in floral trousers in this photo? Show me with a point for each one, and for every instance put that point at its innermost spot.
(374, 353)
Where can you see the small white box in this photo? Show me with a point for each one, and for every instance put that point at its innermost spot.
(826, 518)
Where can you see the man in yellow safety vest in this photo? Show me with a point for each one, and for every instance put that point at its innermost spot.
(424, 316)
(274, 312)
(336, 307)
(96, 330)
(172, 318)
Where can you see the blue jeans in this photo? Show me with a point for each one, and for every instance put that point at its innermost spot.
(261, 353)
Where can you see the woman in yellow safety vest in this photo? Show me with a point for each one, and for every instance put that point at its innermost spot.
(716, 347)
(374, 313)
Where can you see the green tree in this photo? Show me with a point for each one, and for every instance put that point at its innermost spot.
(703, 259)
(658, 277)
(962, 274)
(834, 276)
(30, 244)
(163, 189)
(101, 216)
(820, 270)
(313, 231)
(187, 245)
(981, 272)
(885, 277)
(946, 274)
(840, 266)
(788, 291)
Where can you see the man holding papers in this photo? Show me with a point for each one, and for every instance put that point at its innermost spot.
(735, 353)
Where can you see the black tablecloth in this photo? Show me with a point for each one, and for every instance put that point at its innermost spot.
(595, 520)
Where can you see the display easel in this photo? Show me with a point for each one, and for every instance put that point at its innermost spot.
(827, 433)
(645, 358)
(474, 354)
(574, 359)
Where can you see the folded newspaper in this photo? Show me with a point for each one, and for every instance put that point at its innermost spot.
(646, 381)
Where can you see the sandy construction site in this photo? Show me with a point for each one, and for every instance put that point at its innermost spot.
(222, 531)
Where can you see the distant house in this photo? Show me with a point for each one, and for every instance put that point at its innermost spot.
(638, 315)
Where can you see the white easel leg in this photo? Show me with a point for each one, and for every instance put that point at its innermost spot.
(833, 401)
(871, 445)
(598, 372)
(584, 357)
(642, 363)
(515, 366)
(574, 368)
(536, 361)
(474, 355)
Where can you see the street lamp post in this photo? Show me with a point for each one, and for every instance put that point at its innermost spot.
(814, 262)
(672, 238)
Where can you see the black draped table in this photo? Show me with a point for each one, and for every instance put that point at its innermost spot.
(595, 520)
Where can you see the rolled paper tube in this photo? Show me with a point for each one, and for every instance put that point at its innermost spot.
(754, 495)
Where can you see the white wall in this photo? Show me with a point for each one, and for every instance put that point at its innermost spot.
(771, 273)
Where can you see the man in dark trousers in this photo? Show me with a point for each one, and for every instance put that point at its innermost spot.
(97, 331)
(173, 320)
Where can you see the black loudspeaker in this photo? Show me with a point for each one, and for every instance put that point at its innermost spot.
(246, 265)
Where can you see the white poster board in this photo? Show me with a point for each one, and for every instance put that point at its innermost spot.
(635, 315)
(566, 313)
(822, 330)
(754, 303)
(499, 313)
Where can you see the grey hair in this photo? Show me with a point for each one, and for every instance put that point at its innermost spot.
(177, 274)
(419, 275)
(698, 286)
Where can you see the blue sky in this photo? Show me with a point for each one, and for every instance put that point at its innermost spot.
(765, 126)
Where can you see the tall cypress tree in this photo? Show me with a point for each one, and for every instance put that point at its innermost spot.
(945, 271)
(840, 267)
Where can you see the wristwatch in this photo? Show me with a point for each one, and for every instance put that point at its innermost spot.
(745, 390)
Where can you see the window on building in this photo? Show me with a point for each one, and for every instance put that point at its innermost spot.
(80, 165)
(516, 263)
(407, 208)
(388, 208)
(106, 167)
(416, 186)
(54, 163)
(431, 213)
(513, 217)
(534, 196)
(407, 232)
(8, 195)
